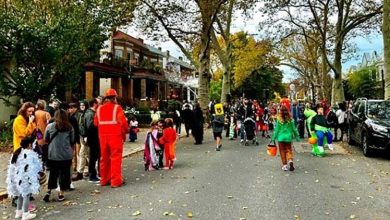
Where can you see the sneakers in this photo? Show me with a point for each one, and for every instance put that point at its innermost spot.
(242, 141)
(291, 165)
(28, 215)
(94, 180)
(61, 198)
(32, 207)
(284, 167)
(218, 148)
(330, 146)
(47, 197)
(18, 213)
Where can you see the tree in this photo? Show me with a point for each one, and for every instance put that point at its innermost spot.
(336, 21)
(223, 45)
(386, 41)
(260, 80)
(44, 44)
(303, 55)
(361, 83)
(186, 23)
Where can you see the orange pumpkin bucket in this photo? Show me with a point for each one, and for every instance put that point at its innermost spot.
(312, 140)
(272, 149)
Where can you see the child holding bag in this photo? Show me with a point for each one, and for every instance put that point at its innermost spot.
(285, 131)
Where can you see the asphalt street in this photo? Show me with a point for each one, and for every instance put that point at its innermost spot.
(239, 182)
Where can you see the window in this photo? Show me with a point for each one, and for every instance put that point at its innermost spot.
(118, 53)
(355, 107)
(362, 108)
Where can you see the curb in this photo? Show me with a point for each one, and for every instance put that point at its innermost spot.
(133, 152)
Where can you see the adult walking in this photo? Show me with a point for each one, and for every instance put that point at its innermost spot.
(73, 120)
(61, 138)
(285, 131)
(112, 125)
(24, 124)
(188, 118)
(197, 129)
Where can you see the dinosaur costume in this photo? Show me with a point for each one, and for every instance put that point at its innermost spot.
(309, 114)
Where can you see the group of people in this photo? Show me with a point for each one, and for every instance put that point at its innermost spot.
(65, 139)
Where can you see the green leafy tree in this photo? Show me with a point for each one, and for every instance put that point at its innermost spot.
(44, 44)
(361, 83)
(260, 80)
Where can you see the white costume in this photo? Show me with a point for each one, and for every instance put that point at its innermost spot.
(22, 176)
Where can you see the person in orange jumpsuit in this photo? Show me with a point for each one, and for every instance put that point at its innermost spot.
(168, 140)
(112, 125)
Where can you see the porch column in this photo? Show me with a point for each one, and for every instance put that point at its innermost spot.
(188, 94)
(120, 87)
(166, 90)
(143, 88)
(158, 90)
(89, 85)
(130, 90)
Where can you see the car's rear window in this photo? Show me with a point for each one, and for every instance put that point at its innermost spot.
(378, 109)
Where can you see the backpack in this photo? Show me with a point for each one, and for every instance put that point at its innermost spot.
(82, 125)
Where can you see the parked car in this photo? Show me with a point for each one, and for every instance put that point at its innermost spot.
(370, 125)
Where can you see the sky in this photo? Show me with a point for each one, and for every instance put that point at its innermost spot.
(364, 44)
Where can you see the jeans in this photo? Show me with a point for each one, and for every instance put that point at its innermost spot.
(94, 157)
(321, 135)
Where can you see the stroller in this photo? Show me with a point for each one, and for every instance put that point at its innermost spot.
(250, 131)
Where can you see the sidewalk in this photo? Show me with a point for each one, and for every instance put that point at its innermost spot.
(128, 150)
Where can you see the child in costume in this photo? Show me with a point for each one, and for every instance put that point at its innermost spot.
(285, 131)
(168, 140)
(133, 129)
(151, 155)
(23, 177)
(319, 126)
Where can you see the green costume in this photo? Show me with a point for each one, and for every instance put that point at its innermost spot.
(309, 114)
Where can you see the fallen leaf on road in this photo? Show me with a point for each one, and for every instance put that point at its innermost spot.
(170, 202)
(5, 217)
(230, 197)
(90, 210)
(352, 216)
(171, 214)
(242, 218)
(190, 215)
(358, 198)
(317, 181)
(166, 213)
(371, 197)
(136, 213)
(244, 207)
(186, 192)
(296, 217)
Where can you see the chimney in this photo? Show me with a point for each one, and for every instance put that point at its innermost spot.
(168, 53)
(159, 48)
(140, 39)
(180, 58)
